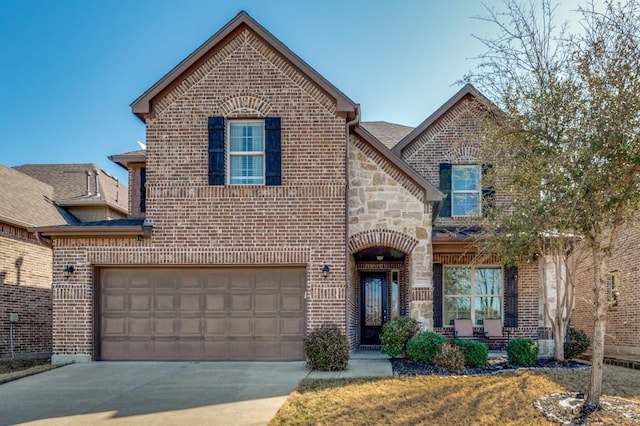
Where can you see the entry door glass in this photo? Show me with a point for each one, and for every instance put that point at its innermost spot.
(374, 307)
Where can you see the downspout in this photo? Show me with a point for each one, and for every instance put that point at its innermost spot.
(41, 240)
(355, 121)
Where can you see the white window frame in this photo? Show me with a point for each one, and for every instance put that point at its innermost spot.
(473, 295)
(477, 191)
(230, 154)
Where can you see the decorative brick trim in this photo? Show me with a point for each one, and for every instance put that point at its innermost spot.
(465, 259)
(198, 256)
(381, 237)
(462, 154)
(245, 105)
(422, 294)
(332, 293)
(71, 292)
(166, 189)
(17, 233)
(378, 266)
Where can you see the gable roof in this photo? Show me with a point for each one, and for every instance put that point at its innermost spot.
(142, 105)
(26, 202)
(71, 188)
(431, 192)
(387, 133)
(466, 90)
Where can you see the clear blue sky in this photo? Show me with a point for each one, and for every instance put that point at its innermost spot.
(70, 68)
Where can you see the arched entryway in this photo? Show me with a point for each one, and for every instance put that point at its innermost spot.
(382, 290)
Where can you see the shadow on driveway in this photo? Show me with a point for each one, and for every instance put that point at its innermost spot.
(225, 393)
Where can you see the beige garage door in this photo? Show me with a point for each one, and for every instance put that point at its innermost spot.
(201, 314)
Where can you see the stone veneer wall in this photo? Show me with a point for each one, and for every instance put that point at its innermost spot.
(25, 289)
(388, 209)
(301, 222)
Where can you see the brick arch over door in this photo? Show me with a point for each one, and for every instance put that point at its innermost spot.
(381, 237)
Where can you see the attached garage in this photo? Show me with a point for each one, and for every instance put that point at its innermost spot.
(200, 313)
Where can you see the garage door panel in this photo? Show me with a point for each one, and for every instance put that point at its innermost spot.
(202, 314)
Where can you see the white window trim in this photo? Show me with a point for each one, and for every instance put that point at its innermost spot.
(244, 153)
(477, 191)
(472, 295)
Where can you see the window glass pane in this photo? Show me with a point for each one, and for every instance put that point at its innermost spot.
(488, 280)
(466, 178)
(457, 280)
(246, 137)
(395, 296)
(247, 170)
(488, 308)
(465, 204)
(456, 307)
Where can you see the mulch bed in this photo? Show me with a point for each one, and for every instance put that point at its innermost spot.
(406, 367)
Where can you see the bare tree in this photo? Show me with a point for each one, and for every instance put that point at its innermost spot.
(566, 149)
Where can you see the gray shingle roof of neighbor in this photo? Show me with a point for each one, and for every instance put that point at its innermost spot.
(69, 182)
(26, 201)
(387, 133)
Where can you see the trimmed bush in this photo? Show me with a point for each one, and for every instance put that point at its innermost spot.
(449, 357)
(424, 346)
(395, 335)
(327, 349)
(576, 344)
(475, 353)
(523, 352)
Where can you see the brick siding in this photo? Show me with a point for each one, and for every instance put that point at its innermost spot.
(25, 289)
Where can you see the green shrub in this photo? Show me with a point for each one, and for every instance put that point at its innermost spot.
(449, 357)
(395, 335)
(475, 353)
(423, 346)
(576, 344)
(327, 349)
(522, 352)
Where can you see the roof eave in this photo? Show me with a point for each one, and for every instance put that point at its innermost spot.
(467, 89)
(94, 231)
(142, 105)
(124, 160)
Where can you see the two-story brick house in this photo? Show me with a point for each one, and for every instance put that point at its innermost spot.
(263, 208)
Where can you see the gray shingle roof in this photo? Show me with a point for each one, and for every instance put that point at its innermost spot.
(69, 182)
(387, 133)
(27, 201)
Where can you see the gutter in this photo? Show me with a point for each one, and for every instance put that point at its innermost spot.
(354, 122)
(90, 231)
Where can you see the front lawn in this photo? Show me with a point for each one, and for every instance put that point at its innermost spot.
(13, 369)
(505, 398)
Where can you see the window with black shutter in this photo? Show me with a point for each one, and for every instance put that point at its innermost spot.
(252, 154)
(445, 188)
(437, 294)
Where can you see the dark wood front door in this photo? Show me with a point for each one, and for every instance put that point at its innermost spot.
(373, 306)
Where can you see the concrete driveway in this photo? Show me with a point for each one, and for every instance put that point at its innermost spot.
(153, 393)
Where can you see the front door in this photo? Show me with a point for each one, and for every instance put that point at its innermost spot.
(373, 306)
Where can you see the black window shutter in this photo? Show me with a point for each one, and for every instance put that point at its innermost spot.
(273, 157)
(488, 192)
(143, 189)
(511, 297)
(445, 188)
(216, 150)
(437, 294)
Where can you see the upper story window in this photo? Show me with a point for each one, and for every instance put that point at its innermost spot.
(246, 152)
(465, 191)
(461, 186)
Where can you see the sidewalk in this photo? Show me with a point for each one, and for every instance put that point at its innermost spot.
(361, 364)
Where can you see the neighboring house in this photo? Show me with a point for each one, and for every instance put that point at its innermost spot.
(262, 208)
(33, 196)
(84, 190)
(622, 336)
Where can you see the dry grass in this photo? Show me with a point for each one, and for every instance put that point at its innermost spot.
(13, 369)
(483, 400)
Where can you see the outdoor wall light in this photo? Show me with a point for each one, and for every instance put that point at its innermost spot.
(325, 270)
(68, 270)
(380, 258)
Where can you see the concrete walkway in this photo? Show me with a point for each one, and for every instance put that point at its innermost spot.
(165, 393)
